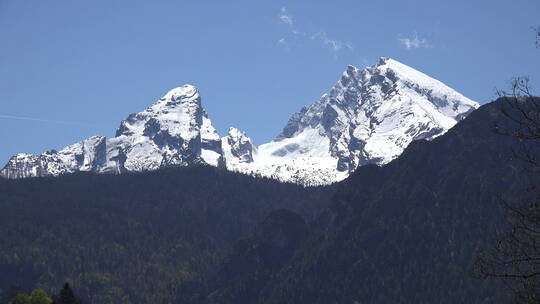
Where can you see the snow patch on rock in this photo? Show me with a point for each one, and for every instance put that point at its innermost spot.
(369, 116)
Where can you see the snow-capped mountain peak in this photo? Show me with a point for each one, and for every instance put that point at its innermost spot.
(185, 92)
(176, 112)
(170, 132)
(174, 131)
(369, 116)
(445, 99)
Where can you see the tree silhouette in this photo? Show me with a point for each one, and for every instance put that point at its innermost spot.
(515, 258)
(67, 296)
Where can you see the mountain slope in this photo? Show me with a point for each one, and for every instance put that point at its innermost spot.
(253, 260)
(408, 232)
(135, 237)
(369, 116)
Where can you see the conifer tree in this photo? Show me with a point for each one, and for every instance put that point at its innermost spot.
(67, 296)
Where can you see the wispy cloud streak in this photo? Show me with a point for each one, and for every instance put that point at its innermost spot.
(334, 45)
(414, 42)
(13, 117)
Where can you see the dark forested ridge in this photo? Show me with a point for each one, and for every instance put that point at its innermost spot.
(134, 238)
(407, 232)
(256, 259)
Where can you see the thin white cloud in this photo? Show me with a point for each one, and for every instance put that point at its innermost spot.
(334, 45)
(298, 32)
(286, 17)
(13, 117)
(414, 42)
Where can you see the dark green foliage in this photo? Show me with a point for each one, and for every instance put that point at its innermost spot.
(9, 294)
(39, 296)
(21, 298)
(134, 238)
(255, 260)
(513, 258)
(190, 293)
(14, 296)
(408, 232)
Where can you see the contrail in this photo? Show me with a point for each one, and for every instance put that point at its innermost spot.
(45, 120)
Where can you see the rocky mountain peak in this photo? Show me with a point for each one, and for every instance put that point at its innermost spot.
(174, 131)
(238, 147)
(185, 93)
(179, 112)
(369, 116)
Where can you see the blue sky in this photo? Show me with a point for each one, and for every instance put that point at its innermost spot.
(73, 69)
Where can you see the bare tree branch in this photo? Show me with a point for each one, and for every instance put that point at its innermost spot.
(515, 258)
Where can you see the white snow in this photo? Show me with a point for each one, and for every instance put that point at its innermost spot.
(369, 116)
(372, 123)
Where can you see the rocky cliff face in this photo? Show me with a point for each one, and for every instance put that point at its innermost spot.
(238, 148)
(87, 155)
(369, 116)
(174, 131)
